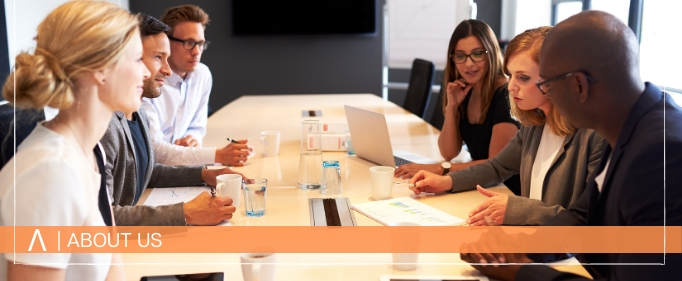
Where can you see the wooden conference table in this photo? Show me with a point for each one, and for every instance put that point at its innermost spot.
(287, 205)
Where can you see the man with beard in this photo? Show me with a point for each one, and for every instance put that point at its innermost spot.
(130, 163)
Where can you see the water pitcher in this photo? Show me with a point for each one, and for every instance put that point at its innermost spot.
(310, 165)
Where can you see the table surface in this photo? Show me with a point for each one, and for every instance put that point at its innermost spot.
(287, 205)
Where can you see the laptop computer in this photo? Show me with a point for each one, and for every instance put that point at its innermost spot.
(371, 141)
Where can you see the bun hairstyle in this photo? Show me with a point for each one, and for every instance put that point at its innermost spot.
(77, 38)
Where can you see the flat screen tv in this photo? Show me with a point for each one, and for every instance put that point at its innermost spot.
(277, 17)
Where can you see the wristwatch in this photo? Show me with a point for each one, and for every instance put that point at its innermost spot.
(446, 167)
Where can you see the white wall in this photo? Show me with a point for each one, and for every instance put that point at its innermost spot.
(422, 29)
(23, 17)
(520, 15)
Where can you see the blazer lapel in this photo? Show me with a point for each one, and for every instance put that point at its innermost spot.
(129, 137)
(144, 122)
(533, 145)
(593, 187)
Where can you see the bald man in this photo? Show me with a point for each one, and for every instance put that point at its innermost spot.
(589, 65)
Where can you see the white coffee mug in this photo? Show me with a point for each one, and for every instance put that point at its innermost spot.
(382, 181)
(270, 140)
(230, 185)
(258, 266)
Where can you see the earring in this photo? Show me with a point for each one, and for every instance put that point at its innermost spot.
(103, 80)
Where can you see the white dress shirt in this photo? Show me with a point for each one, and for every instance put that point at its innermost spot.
(182, 108)
(176, 155)
(547, 151)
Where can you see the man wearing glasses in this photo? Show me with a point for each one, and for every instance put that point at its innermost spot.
(180, 114)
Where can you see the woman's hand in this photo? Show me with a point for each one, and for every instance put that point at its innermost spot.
(429, 182)
(409, 170)
(457, 91)
(493, 207)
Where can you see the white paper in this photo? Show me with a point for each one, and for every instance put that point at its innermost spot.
(173, 195)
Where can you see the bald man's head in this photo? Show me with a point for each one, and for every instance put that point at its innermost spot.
(596, 45)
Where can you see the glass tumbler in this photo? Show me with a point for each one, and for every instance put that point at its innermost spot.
(331, 173)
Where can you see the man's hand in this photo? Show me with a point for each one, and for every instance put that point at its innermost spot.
(208, 210)
(208, 175)
(188, 140)
(233, 154)
(501, 272)
(429, 182)
(478, 254)
(494, 207)
(409, 170)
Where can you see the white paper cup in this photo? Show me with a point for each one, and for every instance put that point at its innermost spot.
(382, 181)
(230, 185)
(258, 266)
(405, 261)
(270, 141)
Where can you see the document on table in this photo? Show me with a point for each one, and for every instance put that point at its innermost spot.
(173, 195)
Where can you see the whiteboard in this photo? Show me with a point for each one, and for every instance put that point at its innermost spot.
(422, 29)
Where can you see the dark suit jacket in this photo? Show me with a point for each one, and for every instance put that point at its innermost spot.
(644, 175)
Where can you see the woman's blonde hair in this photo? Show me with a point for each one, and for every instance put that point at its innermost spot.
(530, 42)
(76, 38)
(487, 37)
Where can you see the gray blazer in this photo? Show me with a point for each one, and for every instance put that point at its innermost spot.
(564, 182)
(121, 176)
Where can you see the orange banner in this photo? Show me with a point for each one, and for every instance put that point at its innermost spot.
(358, 239)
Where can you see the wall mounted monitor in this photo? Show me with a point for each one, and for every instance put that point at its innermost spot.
(307, 17)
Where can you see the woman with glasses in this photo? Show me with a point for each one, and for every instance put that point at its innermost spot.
(475, 102)
(87, 63)
(553, 159)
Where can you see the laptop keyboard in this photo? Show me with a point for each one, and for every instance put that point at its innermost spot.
(331, 212)
(400, 161)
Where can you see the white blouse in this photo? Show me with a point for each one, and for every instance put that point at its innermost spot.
(547, 151)
(55, 186)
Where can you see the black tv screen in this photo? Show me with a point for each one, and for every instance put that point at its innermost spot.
(270, 17)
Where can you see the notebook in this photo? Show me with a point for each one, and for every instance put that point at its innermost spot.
(406, 209)
(371, 140)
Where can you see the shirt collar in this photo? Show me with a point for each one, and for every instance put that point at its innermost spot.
(175, 79)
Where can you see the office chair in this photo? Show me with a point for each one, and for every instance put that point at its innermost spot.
(433, 113)
(25, 123)
(419, 89)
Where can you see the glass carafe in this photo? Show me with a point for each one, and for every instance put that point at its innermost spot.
(310, 165)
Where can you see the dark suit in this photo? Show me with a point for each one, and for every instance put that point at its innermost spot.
(644, 173)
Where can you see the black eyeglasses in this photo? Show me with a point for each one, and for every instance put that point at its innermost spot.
(189, 44)
(545, 87)
(476, 56)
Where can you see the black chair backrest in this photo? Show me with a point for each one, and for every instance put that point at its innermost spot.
(421, 81)
(26, 120)
(433, 113)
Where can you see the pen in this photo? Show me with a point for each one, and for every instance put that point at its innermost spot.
(232, 140)
(410, 185)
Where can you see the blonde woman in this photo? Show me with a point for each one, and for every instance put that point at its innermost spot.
(553, 159)
(87, 63)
